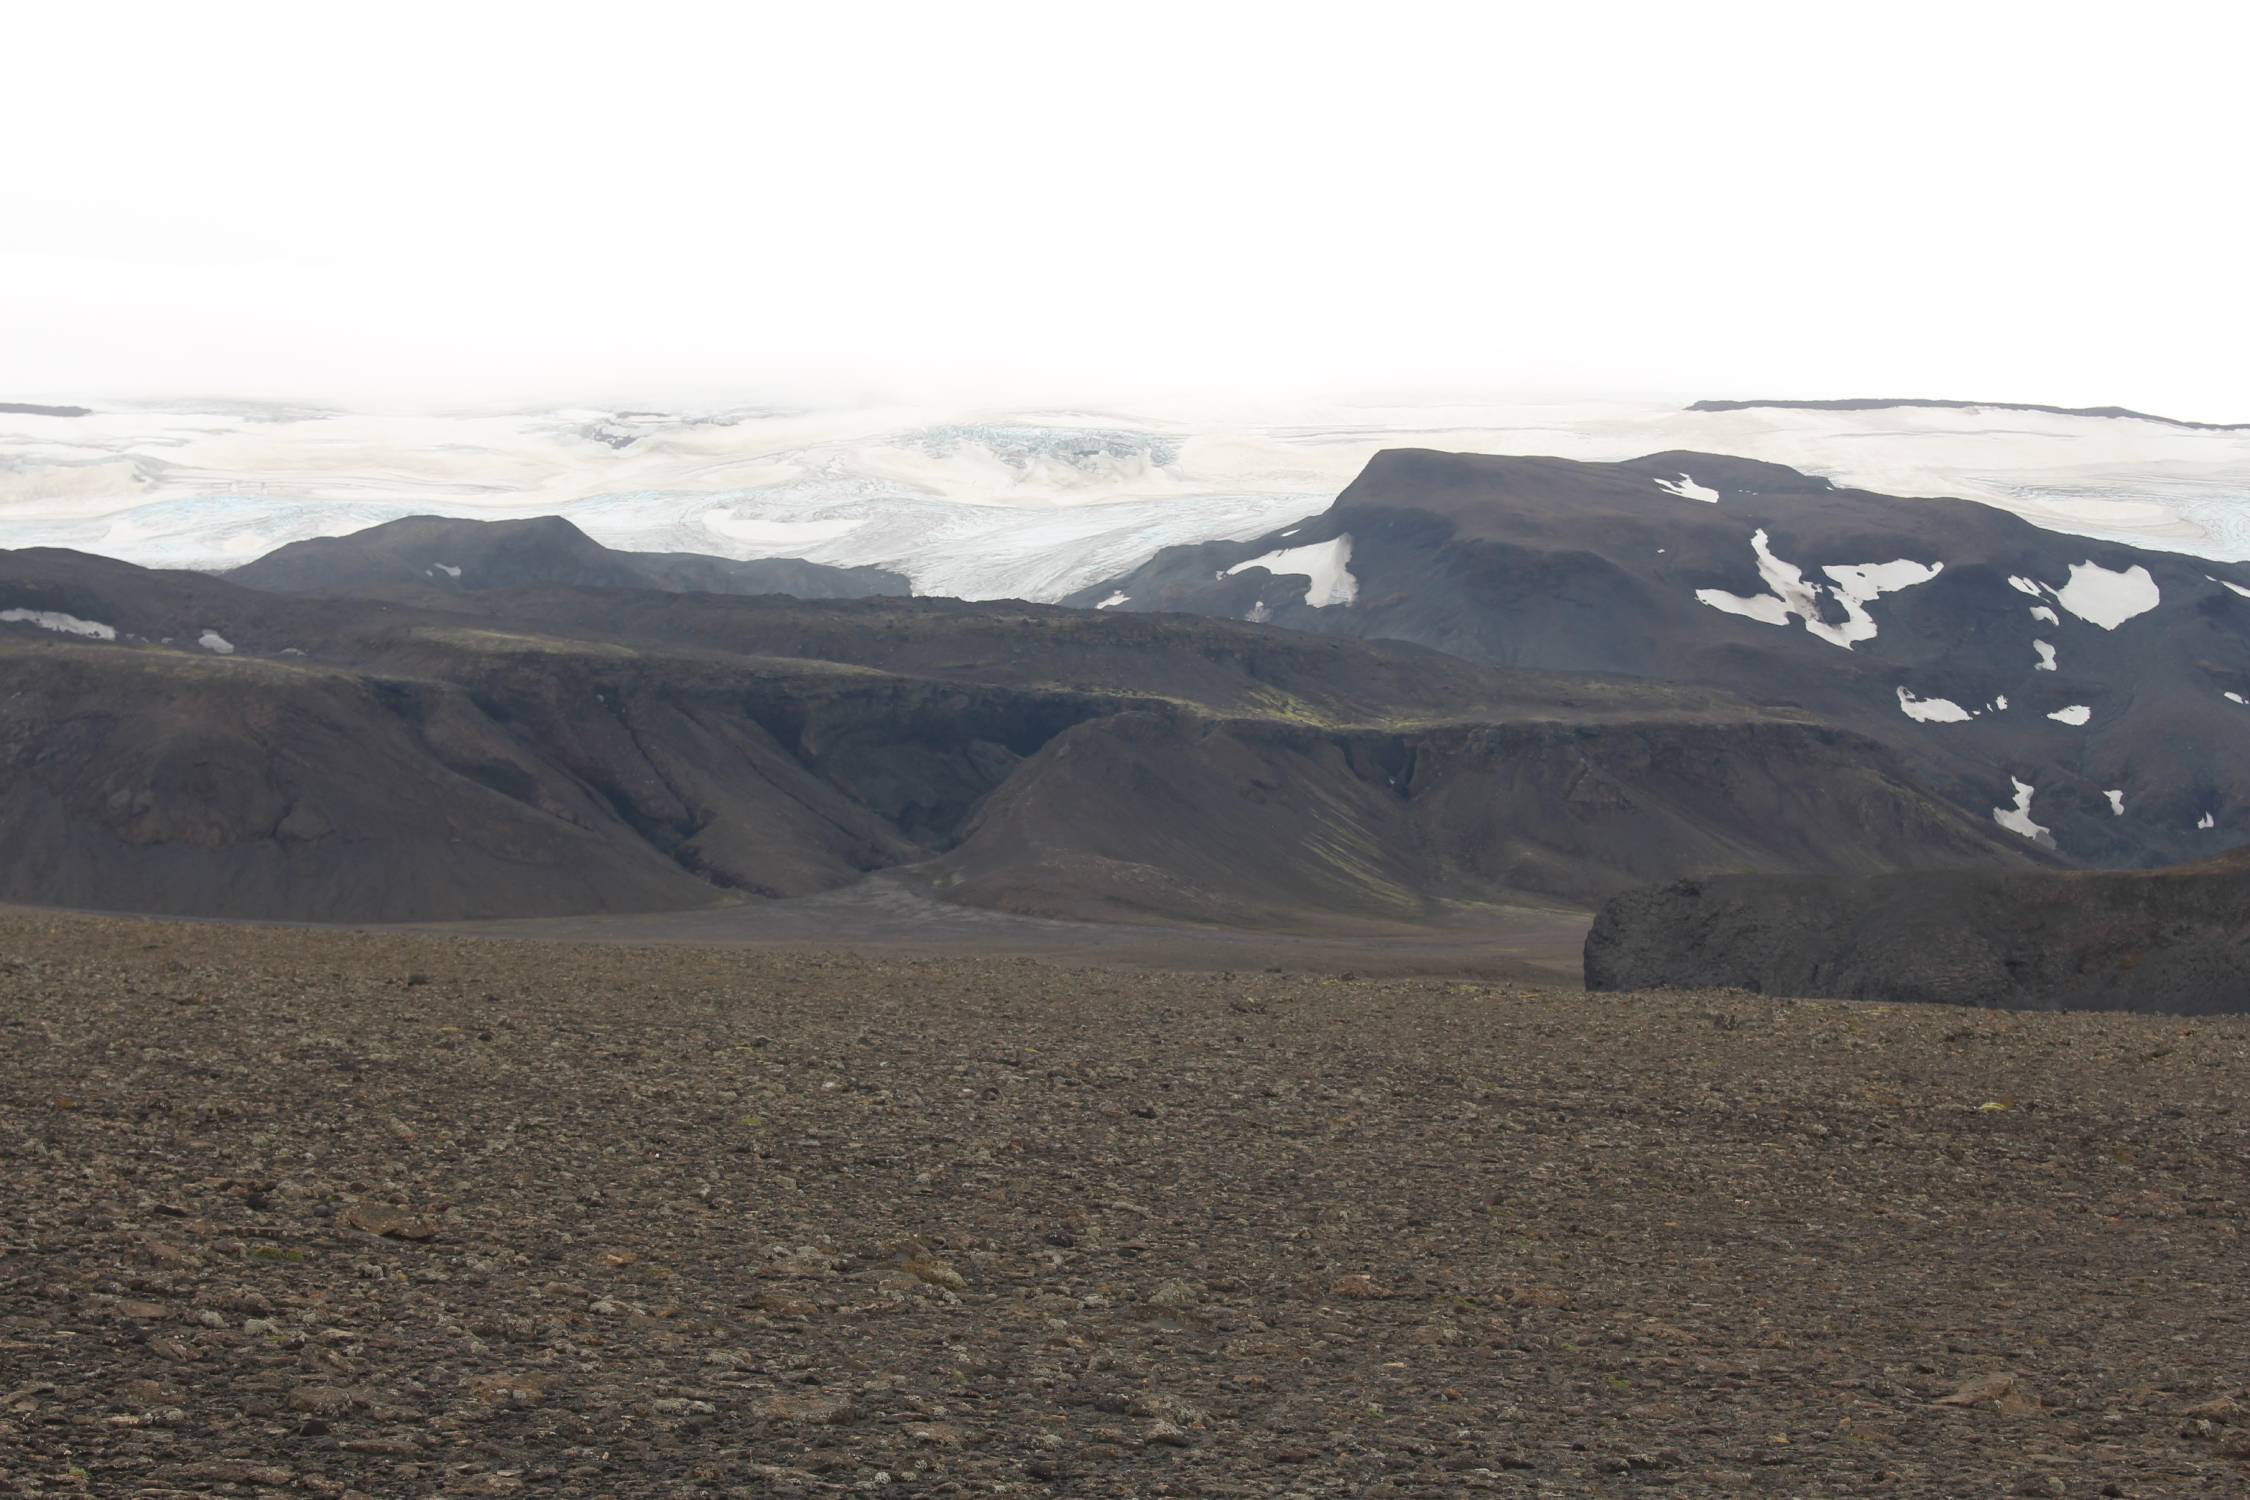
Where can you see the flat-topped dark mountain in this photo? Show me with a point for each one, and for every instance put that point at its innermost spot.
(2089, 697)
(176, 742)
(2163, 941)
(443, 553)
(1886, 403)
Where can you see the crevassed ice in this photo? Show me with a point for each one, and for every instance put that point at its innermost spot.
(1023, 445)
(2017, 819)
(2077, 713)
(1327, 564)
(723, 521)
(2046, 656)
(55, 619)
(211, 640)
(1688, 489)
(1853, 585)
(1931, 710)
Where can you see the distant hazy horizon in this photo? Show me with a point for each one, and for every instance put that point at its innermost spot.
(490, 207)
(1269, 403)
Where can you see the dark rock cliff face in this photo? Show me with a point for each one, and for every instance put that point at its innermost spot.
(2163, 941)
(538, 780)
(508, 752)
(1246, 820)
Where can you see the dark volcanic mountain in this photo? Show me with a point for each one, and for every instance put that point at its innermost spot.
(1888, 403)
(2088, 696)
(2154, 941)
(175, 742)
(434, 552)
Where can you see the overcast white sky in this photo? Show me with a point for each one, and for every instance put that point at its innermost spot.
(476, 203)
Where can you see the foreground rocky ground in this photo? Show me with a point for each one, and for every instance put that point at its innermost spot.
(313, 1212)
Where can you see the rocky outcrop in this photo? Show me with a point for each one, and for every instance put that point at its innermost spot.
(2163, 941)
(449, 556)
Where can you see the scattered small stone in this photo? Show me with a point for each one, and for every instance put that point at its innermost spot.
(937, 1273)
(816, 1409)
(1174, 1294)
(1359, 1286)
(386, 1447)
(237, 1471)
(389, 1222)
(1424, 1239)
(2000, 1391)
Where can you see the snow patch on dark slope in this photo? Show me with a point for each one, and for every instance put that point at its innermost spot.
(1852, 585)
(1946, 611)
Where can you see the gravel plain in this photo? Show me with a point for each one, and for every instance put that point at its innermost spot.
(303, 1212)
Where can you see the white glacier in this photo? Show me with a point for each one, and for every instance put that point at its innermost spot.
(942, 494)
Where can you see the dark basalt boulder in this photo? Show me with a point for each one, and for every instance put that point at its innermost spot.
(2173, 941)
